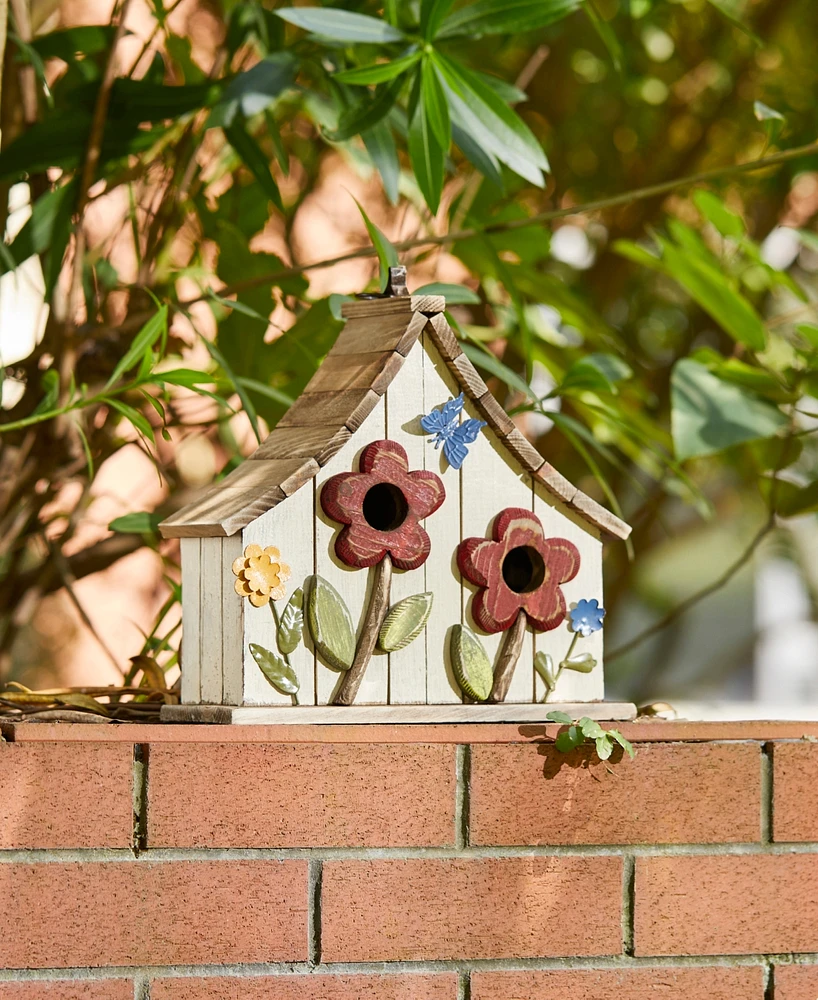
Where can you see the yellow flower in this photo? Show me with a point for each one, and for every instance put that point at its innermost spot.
(261, 575)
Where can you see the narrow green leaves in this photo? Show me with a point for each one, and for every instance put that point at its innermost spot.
(330, 624)
(709, 414)
(253, 158)
(292, 622)
(432, 13)
(429, 135)
(254, 91)
(143, 523)
(155, 328)
(341, 25)
(387, 254)
(380, 144)
(276, 669)
(366, 115)
(378, 72)
(470, 663)
(494, 17)
(404, 622)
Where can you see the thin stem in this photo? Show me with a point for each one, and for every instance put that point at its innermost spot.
(625, 198)
(561, 667)
(373, 619)
(507, 661)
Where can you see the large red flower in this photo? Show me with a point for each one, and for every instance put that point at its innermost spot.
(381, 507)
(518, 570)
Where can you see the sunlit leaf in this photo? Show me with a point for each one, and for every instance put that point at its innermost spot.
(455, 295)
(470, 663)
(276, 669)
(330, 624)
(709, 414)
(291, 626)
(717, 213)
(405, 621)
(494, 17)
(340, 25)
(155, 328)
(378, 72)
(143, 523)
(387, 254)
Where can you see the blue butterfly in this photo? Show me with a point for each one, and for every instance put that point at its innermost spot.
(442, 422)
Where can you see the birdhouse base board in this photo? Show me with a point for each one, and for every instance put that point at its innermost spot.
(607, 711)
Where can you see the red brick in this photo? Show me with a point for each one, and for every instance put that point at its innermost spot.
(669, 794)
(253, 795)
(729, 905)
(796, 982)
(153, 913)
(795, 787)
(56, 795)
(715, 983)
(309, 987)
(82, 989)
(475, 908)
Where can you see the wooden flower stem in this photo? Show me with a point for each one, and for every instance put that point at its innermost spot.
(507, 660)
(558, 674)
(373, 619)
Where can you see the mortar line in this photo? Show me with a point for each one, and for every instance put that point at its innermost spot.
(464, 985)
(141, 756)
(314, 890)
(171, 854)
(465, 966)
(769, 981)
(141, 987)
(462, 805)
(628, 903)
(767, 793)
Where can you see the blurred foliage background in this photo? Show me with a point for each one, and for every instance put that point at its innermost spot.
(580, 175)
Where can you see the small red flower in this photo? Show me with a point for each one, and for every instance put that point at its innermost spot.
(381, 507)
(519, 570)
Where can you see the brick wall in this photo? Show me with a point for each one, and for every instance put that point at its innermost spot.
(407, 863)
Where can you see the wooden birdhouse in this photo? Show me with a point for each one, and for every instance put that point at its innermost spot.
(395, 550)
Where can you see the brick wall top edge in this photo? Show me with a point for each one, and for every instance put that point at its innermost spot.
(638, 732)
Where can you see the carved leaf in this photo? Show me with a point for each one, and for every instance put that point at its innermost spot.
(330, 624)
(275, 668)
(583, 663)
(544, 665)
(471, 663)
(292, 622)
(404, 622)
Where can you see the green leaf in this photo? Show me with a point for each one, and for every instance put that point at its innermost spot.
(254, 91)
(765, 113)
(432, 13)
(494, 366)
(380, 144)
(253, 158)
(143, 523)
(377, 72)
(477, 155)
(606, 33)
(733, 10)
(368, 113)
(455, 295)
(50, 384)
(561, 717)
(427, 155)
(716, 212)
(604, 747)
(276, 669)
(711, 288)
(478, 109)
(85, 40)
(139, 420)
(341, 25)
(155, 328)
(405, 621)
(709, 414)
(246, 402)
(544, 665)
(292, 622)
(493, 17)
(470, 663)
(626, 745)
(434, 105)
(582, 663)
(591, 729)
(330, 624)
(569, 740)
(584, 376)
(387, 254)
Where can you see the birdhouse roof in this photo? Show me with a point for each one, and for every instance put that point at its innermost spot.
(366, 357)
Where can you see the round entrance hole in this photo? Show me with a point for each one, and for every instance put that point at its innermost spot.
(523, 569)
(385, 507)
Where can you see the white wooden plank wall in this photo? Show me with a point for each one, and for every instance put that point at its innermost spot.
(492, 480)
(191, 618)
(233, 608)
(444, 528)
(211, 620)
(404, 408)
(352, 584)
(289, 526)
(561, 523)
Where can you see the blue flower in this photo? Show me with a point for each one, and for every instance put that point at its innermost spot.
(586, 617)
